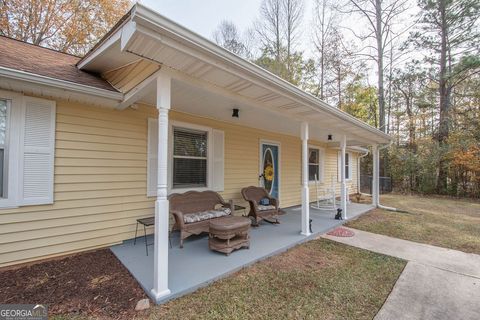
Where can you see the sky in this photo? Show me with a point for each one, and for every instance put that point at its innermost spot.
(203, 16)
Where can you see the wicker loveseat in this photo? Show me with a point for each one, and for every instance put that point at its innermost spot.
(193, 210)
(257, 211)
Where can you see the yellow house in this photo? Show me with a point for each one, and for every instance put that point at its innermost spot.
(89, 145)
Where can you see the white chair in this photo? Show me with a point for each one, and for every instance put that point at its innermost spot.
(325, 200)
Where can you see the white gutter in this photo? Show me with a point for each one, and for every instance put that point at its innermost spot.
(379, 205)
(60, 84)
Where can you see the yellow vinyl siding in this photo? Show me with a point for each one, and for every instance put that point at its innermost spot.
(100, 186)
(242, 147)
(100, 180)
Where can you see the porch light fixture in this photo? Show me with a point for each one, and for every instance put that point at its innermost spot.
(330, 137)
(235, 113)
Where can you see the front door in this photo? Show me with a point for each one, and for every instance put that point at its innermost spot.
(270, 168)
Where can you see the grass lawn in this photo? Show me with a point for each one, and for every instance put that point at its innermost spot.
(445, 222)
(317, 280)
(320, 279)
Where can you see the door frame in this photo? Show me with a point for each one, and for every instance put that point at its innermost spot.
(260, 161)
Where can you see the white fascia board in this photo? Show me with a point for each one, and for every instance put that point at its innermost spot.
(107, 43)
(150, 18)
(60, 84)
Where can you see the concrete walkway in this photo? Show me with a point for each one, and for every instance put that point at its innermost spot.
(437, 283)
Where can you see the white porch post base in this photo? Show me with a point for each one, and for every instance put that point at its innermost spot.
(305, 211)
(159, 295)
(160, 260)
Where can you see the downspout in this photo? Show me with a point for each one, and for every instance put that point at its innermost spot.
(379, 205)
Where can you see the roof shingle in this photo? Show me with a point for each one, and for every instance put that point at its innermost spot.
(19, 55)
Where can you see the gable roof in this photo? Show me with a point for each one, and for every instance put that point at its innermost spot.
(192, 59)
(26, 57)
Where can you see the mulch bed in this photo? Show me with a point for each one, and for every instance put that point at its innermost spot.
(90, 284)
(341, 232)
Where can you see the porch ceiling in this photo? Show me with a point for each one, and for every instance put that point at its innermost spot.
(211, 81)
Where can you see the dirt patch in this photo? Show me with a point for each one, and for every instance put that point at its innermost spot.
(93, 283)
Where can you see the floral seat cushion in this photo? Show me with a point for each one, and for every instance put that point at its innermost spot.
(206, 215)
(264, 208)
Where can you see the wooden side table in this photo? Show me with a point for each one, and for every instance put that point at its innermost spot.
(229, 233)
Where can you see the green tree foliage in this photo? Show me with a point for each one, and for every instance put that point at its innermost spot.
(72, 26)
(448, 32)
(295, 70)
(361, 102)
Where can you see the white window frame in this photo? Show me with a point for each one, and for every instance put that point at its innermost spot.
(210, 159)
(348, 168)
(321, 163)
(13, 133)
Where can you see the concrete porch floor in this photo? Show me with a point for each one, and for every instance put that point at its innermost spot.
(196, 266)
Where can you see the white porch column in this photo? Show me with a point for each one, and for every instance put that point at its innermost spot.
(343, 183)
(305, 189)
(375, 175)
(160, 267)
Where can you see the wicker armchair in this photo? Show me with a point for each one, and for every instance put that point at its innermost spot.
(258, 212)
(194, 210)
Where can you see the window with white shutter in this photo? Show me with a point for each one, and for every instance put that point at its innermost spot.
(196, 158)
(27, 150)
(316, 163)
(348, 166)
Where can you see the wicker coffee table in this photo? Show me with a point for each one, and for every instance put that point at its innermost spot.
(228, 234)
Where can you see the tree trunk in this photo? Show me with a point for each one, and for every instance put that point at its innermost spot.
(390, 89)
(444, 92)
(322, 54)
(339, 86)
(381, 90)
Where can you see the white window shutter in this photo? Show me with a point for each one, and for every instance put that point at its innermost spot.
(152, 157)
(218, 160)
(38, 152)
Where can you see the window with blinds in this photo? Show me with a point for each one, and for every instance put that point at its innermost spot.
(347, 165)
(190, 158)
(313, 164)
